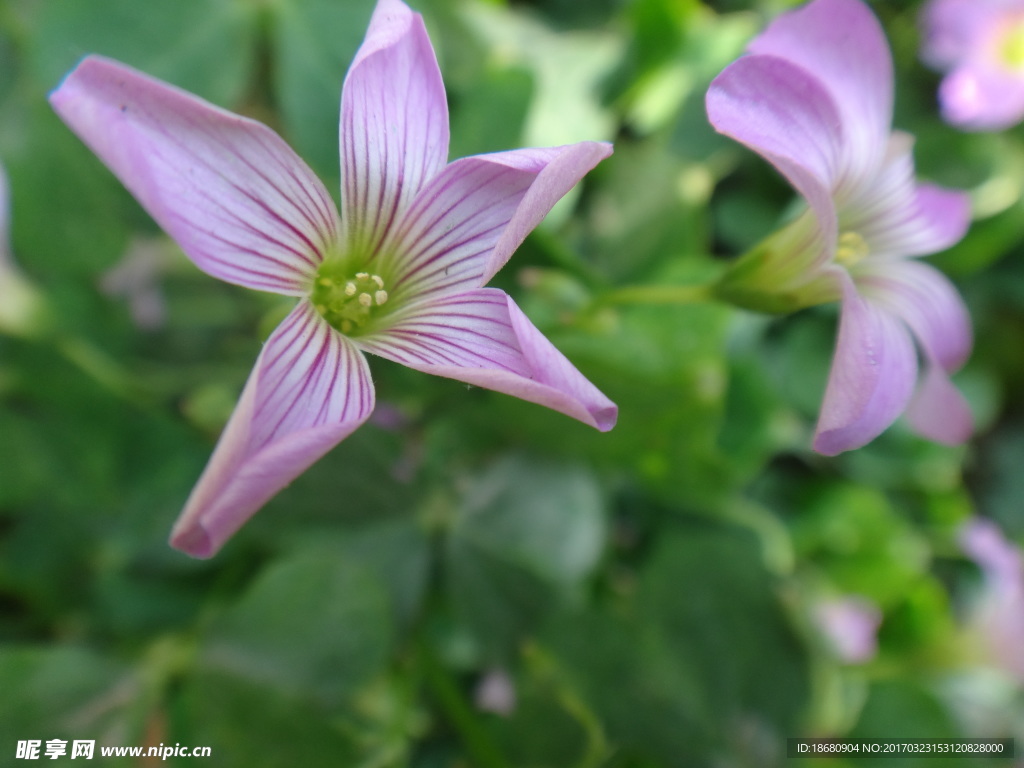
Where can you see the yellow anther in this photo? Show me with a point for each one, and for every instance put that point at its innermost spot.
(346, 300)
(1012, 46)
(851, 248)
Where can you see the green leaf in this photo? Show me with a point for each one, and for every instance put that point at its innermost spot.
(312, 624)
(62, 692)
(314, 42)
(203, 46)
(527, 535)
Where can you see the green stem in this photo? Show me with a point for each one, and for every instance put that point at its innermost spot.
(101, 368)
(482, 750)
(661, 294)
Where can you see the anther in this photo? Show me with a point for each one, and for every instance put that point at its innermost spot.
(378, 280)
(350, 288)
(365, 299)
(380, 297)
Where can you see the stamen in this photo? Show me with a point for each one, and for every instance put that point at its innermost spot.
(347, 303)
(851, 248)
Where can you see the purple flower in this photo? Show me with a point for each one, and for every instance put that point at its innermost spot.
(980, 43)
(814, 97)
(399, 274)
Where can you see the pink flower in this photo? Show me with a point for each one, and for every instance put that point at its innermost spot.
(1000, 615)
(980, 43)
(814, 97)
(399, 274)
(850, 625)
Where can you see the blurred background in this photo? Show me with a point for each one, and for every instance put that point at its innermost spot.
(471, 580)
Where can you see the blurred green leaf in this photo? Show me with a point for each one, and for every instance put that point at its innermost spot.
(312, 624)
(203, 46)
(526, 536)
(314, 42)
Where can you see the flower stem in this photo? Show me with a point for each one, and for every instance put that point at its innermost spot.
(482, 750)
(660, 294)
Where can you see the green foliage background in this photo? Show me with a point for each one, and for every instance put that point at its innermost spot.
(649, 593)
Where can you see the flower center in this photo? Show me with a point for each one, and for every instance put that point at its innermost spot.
(347, 303)
(851, 248)
(1011, 48)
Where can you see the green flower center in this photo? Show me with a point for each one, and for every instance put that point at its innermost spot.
(851, 248)
(347, 302)
(1011, 50)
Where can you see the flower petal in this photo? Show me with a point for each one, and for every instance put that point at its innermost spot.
(235, 197)
(481, 337)
(899, 218)
(872, 377)
(927, 302)
(394, 123)
(309, 390)
(938, 410)
(785, 115)
(952, 28)
(842, 45)
(466, 223)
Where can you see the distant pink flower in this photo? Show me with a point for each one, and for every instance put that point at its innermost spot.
(814, 97)
(1000, 615)
(851, 626)
(980, 44)
(400, 274)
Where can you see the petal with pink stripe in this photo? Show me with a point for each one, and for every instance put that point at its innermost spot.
(309, 390)
(240, 203)
(481, 337)
(466, 223)
(394, 124)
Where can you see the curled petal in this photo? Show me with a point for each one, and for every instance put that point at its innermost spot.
(842, 45)
(926, 301)
(481, 337)
(236, 198)
(785, 115)
(931, 306)
(872, 377)
(394, 123)
(897, 217)
(309, 390)
(466, 223)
